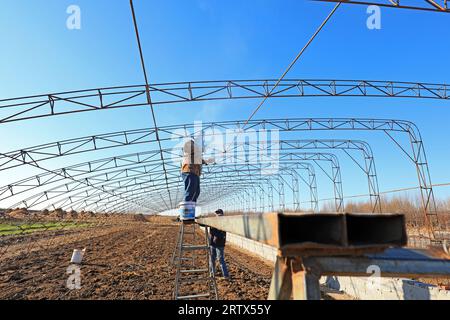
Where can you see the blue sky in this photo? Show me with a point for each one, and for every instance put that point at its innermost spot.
(212, 40)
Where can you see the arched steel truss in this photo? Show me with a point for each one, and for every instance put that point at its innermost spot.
(142, 181)
(245, 172)
(417, 154)
(221, 191)
(38, 106)
(214, 189)
(388, 126)
(36, 154)
(261, 180)
(249, 201)
(368, 167)
(141, 166)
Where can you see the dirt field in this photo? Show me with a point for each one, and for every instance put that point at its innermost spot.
(123, 261)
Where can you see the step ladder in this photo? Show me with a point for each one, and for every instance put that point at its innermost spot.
(194, 277)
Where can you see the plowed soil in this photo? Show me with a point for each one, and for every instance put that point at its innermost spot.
(123, 261)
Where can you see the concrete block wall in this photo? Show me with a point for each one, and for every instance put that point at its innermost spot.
(358, 287)
(254, 247)
(264, 251)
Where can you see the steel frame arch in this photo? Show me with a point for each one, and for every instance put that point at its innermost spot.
(217, 186)
(330, 158)
(314, 144)
(24, 154)
(311, 183)
(344, 145)
(247, 181)
(195, 91)
(285, 145)
(121, 161)
(137, 186)
(272, 201)
(293, 159)
(261, 179)
(219, 176)
(418, 156)
(26, 157)
(142, 170)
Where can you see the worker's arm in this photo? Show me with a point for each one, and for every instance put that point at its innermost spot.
(211, 235)
(212, 232)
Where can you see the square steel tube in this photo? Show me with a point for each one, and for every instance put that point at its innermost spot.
(315, 231)
(281, 230)
(375, 229)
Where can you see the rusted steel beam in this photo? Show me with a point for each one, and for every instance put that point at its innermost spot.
(318, 234)
(298, 277)
(305, 281)
(281, 284)
(291, 279)
(368, 229)
(284, 230)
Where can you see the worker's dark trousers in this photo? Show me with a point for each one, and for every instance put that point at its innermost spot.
(191, 186)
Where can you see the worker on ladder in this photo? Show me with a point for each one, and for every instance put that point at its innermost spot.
(191, 169)
(217, 239)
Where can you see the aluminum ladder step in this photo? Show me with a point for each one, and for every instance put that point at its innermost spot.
(194, 296)
(184, 259)
(194, 247)
(194, 279)
(194, 270)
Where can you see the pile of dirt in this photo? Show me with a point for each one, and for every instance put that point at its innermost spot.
(101, 215)
(86, 215)
(115, 216)
(72, 215)
(19, 213)
(57, 214)
(140, 218)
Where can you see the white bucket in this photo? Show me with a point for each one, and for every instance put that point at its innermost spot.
(77, 256)
(187, 210)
